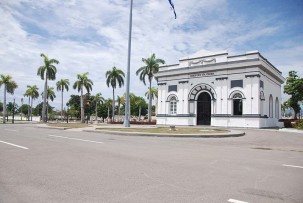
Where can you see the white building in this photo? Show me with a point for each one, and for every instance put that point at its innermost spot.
(220, 90)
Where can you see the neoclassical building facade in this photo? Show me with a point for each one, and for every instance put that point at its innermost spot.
(220, 90)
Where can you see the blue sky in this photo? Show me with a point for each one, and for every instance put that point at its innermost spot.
(91, 36)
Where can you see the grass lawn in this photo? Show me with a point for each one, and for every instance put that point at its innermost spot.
(69, 125)
(167, 130)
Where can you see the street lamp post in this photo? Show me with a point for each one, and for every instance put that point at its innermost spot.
(126, 119)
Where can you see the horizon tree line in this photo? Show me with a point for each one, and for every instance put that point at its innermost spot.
(114, 77)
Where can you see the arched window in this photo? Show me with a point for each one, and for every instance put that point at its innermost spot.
(237, 104)
(173, 105)
(270, 110)
(277, 108)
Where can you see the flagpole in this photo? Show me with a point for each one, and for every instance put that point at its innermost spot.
(126, 119)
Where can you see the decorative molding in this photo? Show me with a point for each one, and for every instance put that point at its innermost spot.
(254, 75)
(182, 82)
(231, 95)
(200, 62)
(192, 96)
(239, 116)
(163, 83)
(220, 115)
(222, 78)
(178, 115)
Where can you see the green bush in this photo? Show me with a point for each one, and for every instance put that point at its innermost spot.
(299, 124)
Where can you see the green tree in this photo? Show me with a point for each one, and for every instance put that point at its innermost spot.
(154, 95)
(32, 93)
(83, 82)
(50, 94)
(139, 103)
(11, 107)
(24, 109)
(98, 100)
(37, 111)
(62, 85)
(114, 77)
(1, 106)
(294, 88)
(151, 67)
(108, 104)
(9, 87)
(103, 109)
(75, 105)
(120, 101)
(47, 72)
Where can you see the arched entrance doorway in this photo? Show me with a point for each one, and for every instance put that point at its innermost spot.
(203, 109)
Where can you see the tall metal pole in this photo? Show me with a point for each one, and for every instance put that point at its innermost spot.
(126, 119)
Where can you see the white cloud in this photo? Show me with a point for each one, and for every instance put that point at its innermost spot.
(92, 37)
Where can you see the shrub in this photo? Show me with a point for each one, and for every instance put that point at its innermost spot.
(299, 124)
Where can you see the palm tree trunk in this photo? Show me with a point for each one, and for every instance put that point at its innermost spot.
(32, 109)
(149, 103)
(107, 113)
(96, 111)
(119, 111)
(44, 118)
(139, 113)
(113, 104)
(4, 104)
(28, 108)
(82, 107)
(62, 105)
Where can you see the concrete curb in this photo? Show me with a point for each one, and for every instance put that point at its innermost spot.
(232, 133)
(289, 130)
(52, 127)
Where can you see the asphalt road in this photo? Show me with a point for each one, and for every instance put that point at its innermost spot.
(47, 165)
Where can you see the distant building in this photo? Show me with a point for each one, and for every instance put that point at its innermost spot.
(220, 90)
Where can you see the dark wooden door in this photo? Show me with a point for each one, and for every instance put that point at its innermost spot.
(203, 109)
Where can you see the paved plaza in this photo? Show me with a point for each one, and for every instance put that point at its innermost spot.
(51, 165)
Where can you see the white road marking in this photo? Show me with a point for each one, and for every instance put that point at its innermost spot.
(75, 139)
(293, 166)
(236, 201)
(11, 130)
(14, 145)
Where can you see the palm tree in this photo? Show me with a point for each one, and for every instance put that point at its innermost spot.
(83, 82)
(114, 76)
(120, 101)
(99, 100)
(154, 95)
(48, 72)
(29, 101)
(108, 104)
(50, 95)
(139, 102)
(151, 67)
(9, 86)
(32, 93)
(132, 101)
(61, 85)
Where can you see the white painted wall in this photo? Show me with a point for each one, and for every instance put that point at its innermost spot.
(223, 103)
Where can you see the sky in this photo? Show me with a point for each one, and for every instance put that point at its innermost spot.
(92, 36)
